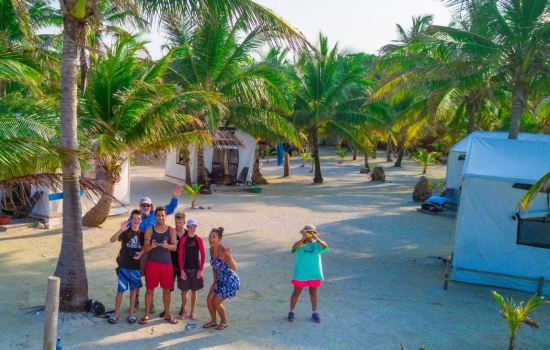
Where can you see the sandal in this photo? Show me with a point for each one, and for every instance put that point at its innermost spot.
(209, 324)
(132, 319)
(113, 319)
(144, 320)
(222, 326)
(171, 320)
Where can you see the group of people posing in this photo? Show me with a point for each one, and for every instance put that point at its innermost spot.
(170, 256)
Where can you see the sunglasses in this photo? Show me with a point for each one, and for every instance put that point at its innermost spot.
(146, 205)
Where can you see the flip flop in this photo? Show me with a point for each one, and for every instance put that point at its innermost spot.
(222, 326)
(132, 319)
(209, 325)
(171, 320)
(144, 320)
(113, 319)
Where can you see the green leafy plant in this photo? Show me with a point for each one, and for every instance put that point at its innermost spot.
(342, 154)
(439, 186)
(305, 157)
(402, 348)
(192, 192)
(424, 158)
(516, 314)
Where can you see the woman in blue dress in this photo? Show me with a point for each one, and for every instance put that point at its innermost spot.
(226, 281)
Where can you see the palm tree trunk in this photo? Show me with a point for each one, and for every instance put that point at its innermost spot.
(354, 150)
(519, 100)
(100, 211)
(388, 149)
(286, 165)
(318, 178)
(187, 161)
(2, 89)
(202, 177)
(367, 162)
(400, 151)
(71, 268)
(471, 110)
(511, 344)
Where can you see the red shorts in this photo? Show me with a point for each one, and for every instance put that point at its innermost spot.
(156, 273)
(310, 283)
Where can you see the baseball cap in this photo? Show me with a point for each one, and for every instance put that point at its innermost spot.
(145, 200)
(191, 222)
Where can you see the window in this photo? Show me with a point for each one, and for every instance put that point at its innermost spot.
(534, 232)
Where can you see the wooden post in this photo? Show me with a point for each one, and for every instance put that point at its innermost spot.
(52, 310)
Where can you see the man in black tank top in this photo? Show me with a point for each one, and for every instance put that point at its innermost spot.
(160, 240)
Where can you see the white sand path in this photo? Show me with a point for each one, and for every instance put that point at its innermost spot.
(383, 287)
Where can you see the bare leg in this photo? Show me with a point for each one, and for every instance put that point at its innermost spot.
(183, 303)
(118, 301)
(313, 297)
(217, 302)
(149, 293)
(133, 294)
(193, 304)
(166, 296)
(211, 309)
(294, 297)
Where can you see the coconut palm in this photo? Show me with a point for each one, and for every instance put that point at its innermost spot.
(215, 59)
(425, 158)
(130, 111)
(330, 92)
(70, 266)
(515, 42)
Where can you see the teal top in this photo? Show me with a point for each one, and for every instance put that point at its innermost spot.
(308, 262)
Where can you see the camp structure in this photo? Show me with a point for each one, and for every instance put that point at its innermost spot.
(225, 160)
(494, 243)
(457, 156)
(47, 205)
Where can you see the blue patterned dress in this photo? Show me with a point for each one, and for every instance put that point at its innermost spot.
(228, 281)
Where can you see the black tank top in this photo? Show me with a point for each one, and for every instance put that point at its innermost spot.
(160, 254)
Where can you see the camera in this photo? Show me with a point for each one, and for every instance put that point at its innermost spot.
(133, 253)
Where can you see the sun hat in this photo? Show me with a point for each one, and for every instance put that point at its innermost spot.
(309, 228)
(145, 200)
(192, 222)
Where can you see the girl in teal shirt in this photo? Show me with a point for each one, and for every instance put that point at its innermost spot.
(308, 270)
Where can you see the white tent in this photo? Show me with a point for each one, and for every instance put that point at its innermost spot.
(457, 155)
(50, 205)
(487, 246)
(223, 160)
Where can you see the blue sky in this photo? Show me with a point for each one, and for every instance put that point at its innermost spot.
(361, 25)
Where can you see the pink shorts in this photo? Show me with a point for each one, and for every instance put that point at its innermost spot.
(310, 283)
(156, 273)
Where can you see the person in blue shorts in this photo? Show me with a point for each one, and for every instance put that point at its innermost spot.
(308, 270)
(128, 271)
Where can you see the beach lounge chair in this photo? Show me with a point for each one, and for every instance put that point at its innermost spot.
(436, 204)
(241, 179)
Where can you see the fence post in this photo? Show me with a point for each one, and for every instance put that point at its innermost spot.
(52, 310)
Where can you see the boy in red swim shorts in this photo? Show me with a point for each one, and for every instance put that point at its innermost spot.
(308, 270)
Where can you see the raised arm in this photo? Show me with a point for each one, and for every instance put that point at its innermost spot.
(229, 257)
(123, 227)
(171, 207)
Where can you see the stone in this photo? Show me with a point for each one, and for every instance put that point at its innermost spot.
(422, 190)
(378, 174)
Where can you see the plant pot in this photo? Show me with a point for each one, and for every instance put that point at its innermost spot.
(4, 219)
(256, 189)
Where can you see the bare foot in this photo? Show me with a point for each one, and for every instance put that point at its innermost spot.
(182, 316)
(193, 316)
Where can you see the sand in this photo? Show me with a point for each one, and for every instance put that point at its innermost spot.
(383, 275)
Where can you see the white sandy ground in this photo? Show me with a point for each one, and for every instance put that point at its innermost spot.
(383, 278)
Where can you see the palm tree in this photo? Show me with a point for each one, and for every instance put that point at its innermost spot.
(330, 92)
(129, 111)
(425, 158)
(70, 267)
(214, 59)
(515, 41)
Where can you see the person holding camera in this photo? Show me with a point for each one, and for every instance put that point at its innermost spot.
(160, 240)
(128, 271)
(308, 270)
